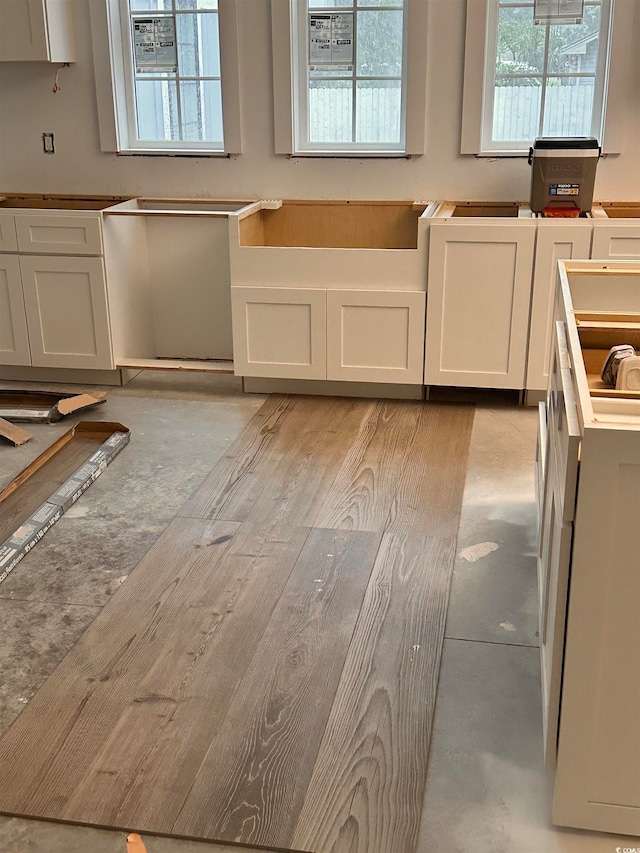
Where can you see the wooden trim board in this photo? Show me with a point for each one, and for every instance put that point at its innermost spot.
(263, 677)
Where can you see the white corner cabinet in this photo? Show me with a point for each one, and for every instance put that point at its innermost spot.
(330, 290)
(53, 298)
(589, 555)
(479, 288)
(37, 31)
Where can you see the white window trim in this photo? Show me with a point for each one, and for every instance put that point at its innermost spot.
(615, 102)
(109, 73)
(285, 75)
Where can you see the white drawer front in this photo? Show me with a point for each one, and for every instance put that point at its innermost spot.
(59, 234)
(8, 239)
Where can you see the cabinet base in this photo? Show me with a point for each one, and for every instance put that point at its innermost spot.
(256, 385)
(66, 375)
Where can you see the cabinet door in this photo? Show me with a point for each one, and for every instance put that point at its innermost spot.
(279, 332)
(554, 242)
(478, 296)
(59, 233)
(375, 336)
(67, 312)
(14, 340)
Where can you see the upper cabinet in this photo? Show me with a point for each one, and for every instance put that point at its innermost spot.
(36, 31)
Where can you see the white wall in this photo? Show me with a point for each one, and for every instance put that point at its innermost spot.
(28, 108)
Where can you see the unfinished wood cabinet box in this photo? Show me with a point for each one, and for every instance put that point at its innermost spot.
(330, 290)
(616, 230)
(169, 283)
(53, 297)
(480, 268)
(590, 554)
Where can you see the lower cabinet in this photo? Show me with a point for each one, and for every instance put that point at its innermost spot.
(478, 303)
(348, 335)
(58, 312)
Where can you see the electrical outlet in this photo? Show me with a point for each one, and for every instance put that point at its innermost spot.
(47, 143)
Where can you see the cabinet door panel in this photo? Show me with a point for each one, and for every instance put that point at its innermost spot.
(478, 303)
(616, 242)
(8, 239)
(553, 243)
(67, 312)
(23, 32)
(375, 336)
(59, 234)
(279, 332)
(14, 340)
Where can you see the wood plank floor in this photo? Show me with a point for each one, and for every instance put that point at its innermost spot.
(267, 674)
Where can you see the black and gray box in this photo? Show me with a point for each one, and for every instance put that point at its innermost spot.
(563, 173)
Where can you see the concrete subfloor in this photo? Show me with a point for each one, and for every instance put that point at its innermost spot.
(487, 790)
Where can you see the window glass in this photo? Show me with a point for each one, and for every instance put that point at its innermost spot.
(545, 79)
(182, 104)
(352, 70)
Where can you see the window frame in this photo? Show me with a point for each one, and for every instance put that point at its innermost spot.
(114, 84)
(287, 82)
(480, 43)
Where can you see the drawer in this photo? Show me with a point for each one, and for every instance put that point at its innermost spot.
(59, 234)
(563, 425)
(8, 239)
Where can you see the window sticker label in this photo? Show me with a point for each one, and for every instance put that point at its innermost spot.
(330, 41)
(154, 44)
(564, 189)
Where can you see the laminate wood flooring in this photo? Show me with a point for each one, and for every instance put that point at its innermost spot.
(267, 674)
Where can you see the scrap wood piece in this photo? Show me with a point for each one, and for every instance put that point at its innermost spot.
(45, 406)
(135, 844)
(15, 434)
(100, 440)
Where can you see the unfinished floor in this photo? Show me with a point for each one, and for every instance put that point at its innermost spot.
(486, 788)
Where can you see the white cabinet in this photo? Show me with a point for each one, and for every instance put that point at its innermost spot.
(54, 308)
(554, 241)
(590, 554)
(478, 294)
(14, 339)
(347, 335)
(36, 30)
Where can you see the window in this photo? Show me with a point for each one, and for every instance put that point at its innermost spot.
(354, 67)
(534, 79)
(174, 80)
